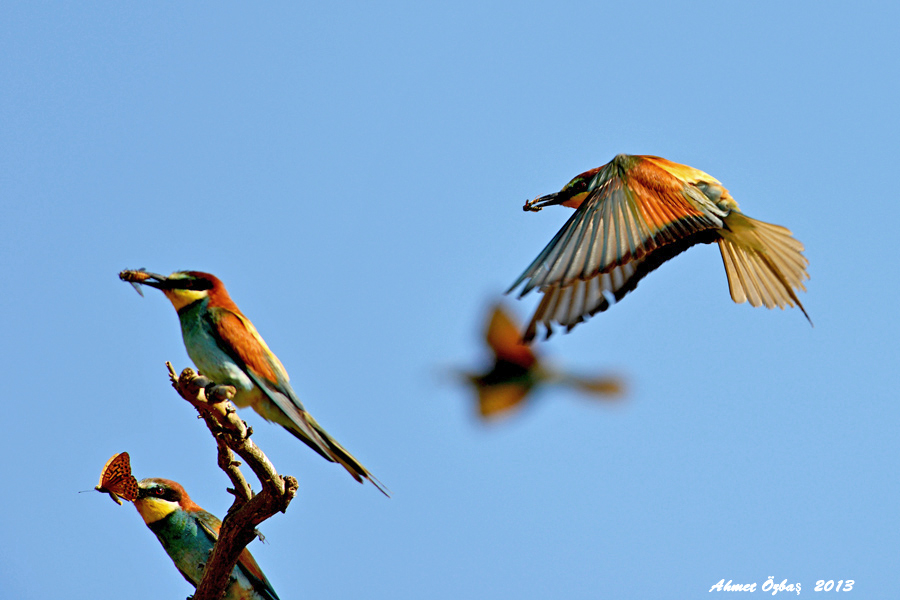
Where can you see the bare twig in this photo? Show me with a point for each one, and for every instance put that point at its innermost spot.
(248, 510)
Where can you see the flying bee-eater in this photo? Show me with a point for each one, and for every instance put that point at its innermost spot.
(635, 213)
(188, 534)
(225, 346)
(518, 371)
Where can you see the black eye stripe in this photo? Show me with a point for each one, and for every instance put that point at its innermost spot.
(577, 185)
(163, 494)
(198, 285)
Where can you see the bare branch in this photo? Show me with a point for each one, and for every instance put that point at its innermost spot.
(213, 403)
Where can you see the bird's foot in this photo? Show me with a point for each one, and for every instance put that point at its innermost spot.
(218, 393)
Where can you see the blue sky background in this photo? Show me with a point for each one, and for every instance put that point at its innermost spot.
(355, 174)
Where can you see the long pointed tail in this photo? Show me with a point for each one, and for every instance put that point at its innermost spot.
(334, 452)
(602, 387)
(764, 262)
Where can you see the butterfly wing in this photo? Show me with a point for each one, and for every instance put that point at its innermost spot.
(116, 478)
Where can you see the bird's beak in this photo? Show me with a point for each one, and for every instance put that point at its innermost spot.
(539, 203)
(142, 277)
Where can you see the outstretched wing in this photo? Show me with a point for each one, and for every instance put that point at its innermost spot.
(639, 212)
(505, 341)
(494, 400)
(627, 215)
(569, 305)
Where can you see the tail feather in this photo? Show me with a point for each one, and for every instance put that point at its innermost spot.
(764, 263)
(603, 387)
(349, 462)
(334, 452)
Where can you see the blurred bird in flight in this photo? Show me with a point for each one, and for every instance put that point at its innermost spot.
(225, 346)
(635, 213)
(518, 371)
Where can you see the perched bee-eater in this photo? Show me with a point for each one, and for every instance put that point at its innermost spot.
(225, 346)
(517, 371)
(188, 534)
(635, 213)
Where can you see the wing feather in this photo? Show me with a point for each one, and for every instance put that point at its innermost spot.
(252, 572)
(605, 289)
(250, 352)
(211, 525)
(503, 337)
(239, 338)
(637, 214)
(625, 217)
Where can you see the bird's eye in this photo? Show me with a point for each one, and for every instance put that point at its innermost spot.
(199, 285)
(576, 185)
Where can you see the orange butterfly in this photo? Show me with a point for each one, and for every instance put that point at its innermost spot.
(116, 479)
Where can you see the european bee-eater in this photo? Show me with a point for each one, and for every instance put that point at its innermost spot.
(188, 534)
(635, 213)
(225, 346)
(518, 370)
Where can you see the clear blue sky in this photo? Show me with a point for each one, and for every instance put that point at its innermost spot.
(355, 174)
